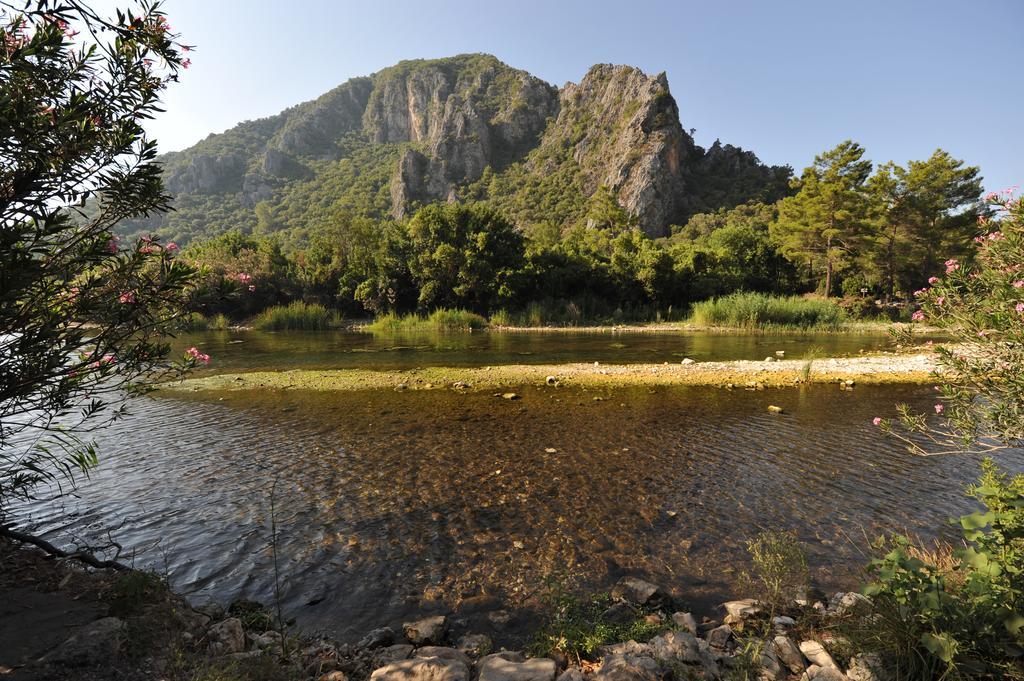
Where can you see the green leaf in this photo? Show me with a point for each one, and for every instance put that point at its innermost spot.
(942, 646)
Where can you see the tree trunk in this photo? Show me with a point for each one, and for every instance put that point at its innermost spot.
(828, 267)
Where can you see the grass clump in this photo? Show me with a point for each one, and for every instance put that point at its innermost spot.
(297, 316)
(439, 320)
(763, 311)
(578, 627)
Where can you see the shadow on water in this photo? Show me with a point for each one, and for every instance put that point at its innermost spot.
(395, 503)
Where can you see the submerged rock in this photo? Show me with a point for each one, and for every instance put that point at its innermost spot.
(426, 630)
(635, 591)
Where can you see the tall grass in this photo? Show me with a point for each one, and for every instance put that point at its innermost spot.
(438, 320)
(296, 316)
(760, 311)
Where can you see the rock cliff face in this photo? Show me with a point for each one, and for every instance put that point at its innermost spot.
(425, 130)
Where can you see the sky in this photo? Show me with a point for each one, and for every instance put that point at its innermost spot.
(786, 79)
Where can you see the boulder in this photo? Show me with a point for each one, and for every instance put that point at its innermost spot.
(496, 668)
(720, 637)
(789, 654)
(475, 645)
(267, 639)
(742, 609)
(816, 653)
(676, 646)
(867, 667)
(620, 613)
(510, 655)
(226, 636)
(389, 654)
(426, 630)
(783, 623)
(851, 604)
(825, 674)
(628, 668)
(378, 638)
(571, 674)
(444, 653)
(422, 669)
(685, 621)
(96, 642)
(635, 591)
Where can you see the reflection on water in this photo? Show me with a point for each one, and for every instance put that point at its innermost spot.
(391, 502)
(255, 350)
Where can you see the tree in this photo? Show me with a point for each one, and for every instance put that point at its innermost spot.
(244, 273)
(821, 222)
(82, 318)
(921, 211)
(463, 256)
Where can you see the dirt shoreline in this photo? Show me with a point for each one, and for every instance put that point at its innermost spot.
(868, 370)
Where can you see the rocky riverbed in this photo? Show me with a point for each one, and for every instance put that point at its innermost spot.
(773, 372)
(63, 622)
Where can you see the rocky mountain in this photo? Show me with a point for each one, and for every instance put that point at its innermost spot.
(463, 128)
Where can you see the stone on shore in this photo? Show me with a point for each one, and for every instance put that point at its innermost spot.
(742, 609)
(427, 630)
(816, 673)
(443, 653)
(685, 621)
(628, 668)
(475, 645)
(389, 654)
(378, 638)
(816, 653)
(789, 654)
(95, 642)
(496, 668)
(226, 637)
(422, 669)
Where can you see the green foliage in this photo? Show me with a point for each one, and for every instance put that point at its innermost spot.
(297, 316)
(778, 569)
(82, 319)
(962, 621)
(819, 225)
(463, 256)
(757, 310)
(438, 320)
(579, 627)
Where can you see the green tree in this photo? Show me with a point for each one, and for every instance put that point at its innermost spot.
(605, 213)
(244, 273)
(821, 222)
(82, 318)
(924, 213)
(463, 256)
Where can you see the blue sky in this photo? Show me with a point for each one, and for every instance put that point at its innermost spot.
(786, 79)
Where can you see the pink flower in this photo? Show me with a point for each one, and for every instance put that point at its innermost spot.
(171, 247)
(991, 196)
(877, 420)
(1019, 283)
(920, 292)
(243, 277)
(147, 249)
(939, 408)
(1020, 307)
(933, 280)
(112, 244)
(186, 63)
(126, 298)
(917, 316)
(996, 236)
(940, 300)
(194, 353)
(951, 266)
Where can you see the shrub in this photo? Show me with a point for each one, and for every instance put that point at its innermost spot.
(438, 320)
(961, 618)
(760, 310)
(778, 568)
(297, 316)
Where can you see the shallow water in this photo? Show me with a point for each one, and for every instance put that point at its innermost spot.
(255, 350)
(392, 503)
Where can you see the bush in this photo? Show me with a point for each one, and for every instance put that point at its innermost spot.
(439, 320)
(958, 618)
(779, 569)
(297, 316)
(759, 310)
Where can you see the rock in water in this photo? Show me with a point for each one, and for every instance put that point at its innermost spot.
(635, 591)
(427, 630)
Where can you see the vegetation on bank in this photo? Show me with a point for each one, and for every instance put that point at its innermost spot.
(438, 320)
(297, 316)
(758, 311)
(843, 233)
